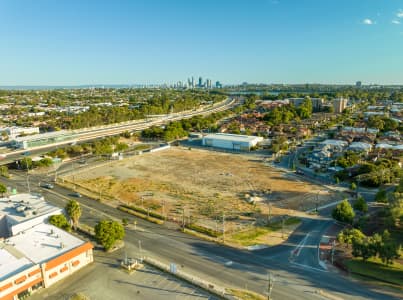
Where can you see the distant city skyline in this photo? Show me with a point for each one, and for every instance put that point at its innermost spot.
(64, 43)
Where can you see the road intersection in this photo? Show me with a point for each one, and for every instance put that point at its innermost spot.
(294, 264)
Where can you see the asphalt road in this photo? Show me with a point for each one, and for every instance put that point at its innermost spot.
(296, 277)
(96, 132)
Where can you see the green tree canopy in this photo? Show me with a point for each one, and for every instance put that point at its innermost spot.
(347, 236)
(3, 189)
(60, 221)
(108, 232)
(360, 204)
(343, 212)
(381, 196)
(26, 163)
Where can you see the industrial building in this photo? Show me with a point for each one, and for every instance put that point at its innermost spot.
(16, 131)
(26, 142)
(234, 142)
(33, 253)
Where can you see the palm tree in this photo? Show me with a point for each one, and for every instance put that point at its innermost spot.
(73, 210)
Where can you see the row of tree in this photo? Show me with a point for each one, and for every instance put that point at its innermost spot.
(179, 129)
(377, 245)
(368, 173)
(27, 163)
(103, 146)
(107, 232)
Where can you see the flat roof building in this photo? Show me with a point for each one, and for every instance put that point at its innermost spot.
(35, 254)
(43, 139)
(360, 147)
(23, 211)
(235, 142)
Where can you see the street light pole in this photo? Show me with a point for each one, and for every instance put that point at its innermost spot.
(183, 219)
(141, 256)
(28, 186)
(223, 228)
(282, 227)
(270, 284)
(269, 214)
(332, 253)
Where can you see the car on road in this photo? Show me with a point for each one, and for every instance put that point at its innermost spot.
(76, 194)
(48, 186)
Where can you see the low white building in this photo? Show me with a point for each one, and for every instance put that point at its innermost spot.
(235, 142)
(34, 254)
(335, 145)
(23, 211)
(48, 138)
(360, 147)
(16, 131)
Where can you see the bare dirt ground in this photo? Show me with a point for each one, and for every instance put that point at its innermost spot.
(204, 184)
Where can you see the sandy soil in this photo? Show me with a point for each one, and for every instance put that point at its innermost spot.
(204, 184)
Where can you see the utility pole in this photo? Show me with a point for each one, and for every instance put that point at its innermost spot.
(282, 227)
(163, 210)
(223, 227)
(269, 214)
(183, 219)
(141, 256)
(332, 252)
(55, 174)
(270, 284)
(28, 186)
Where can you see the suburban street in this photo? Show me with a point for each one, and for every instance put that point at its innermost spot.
(294, 264)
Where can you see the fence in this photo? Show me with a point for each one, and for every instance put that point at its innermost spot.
(206, 285)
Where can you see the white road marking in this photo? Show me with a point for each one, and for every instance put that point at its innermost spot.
(297, 250)
(309, 267)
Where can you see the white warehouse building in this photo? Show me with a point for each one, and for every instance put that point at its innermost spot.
(231, 141)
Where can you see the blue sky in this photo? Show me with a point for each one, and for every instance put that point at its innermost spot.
(68, 42)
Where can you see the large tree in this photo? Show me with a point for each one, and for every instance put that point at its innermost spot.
(60, 221)
(108, 232)
(73, 210)
(3, 189)
(360, 204)
(343, 212)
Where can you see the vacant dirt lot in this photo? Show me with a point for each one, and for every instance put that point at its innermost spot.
(202, 185)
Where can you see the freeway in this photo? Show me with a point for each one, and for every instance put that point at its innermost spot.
(296, 276)
(114, 129)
